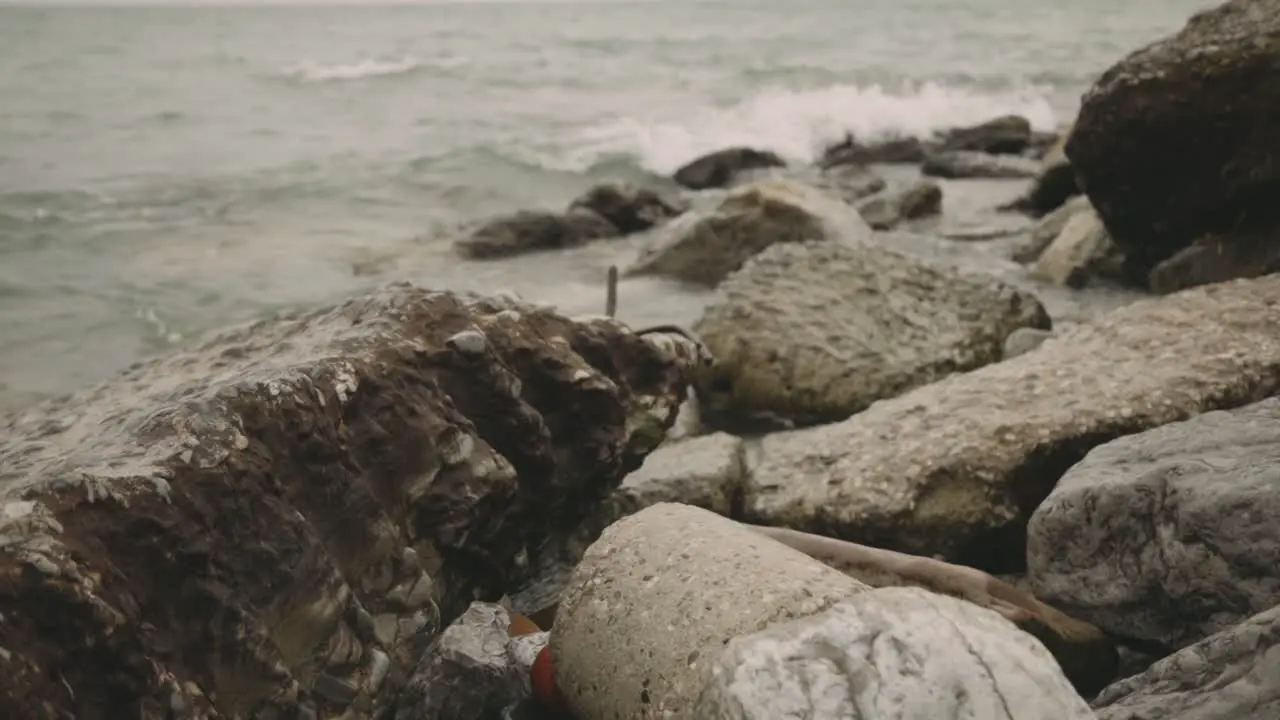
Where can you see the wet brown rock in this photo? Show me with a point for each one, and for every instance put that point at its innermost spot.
(955, 468)
(1215, 258)
(277, 521)
(717, 169)
(527, 231)
(1179, 139)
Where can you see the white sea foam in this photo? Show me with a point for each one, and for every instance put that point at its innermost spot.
(369, 67)
(798, 123)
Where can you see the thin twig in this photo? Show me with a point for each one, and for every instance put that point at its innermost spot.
(611, 292)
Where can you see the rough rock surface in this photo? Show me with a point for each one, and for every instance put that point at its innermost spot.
(1169, 535)
(956, 467)
(657, 596)
(630, 208)
(278, 520)
(1005, 135)
(884, 212)
(962, 164)
(1179, 139)
(704, 248)
(1081, 252)
(1215, 258)
(1024, 340)
(890, 654)
(473, 670)
(850, 182)
(1048, 228)
(1233, 675)
(717, 169)
(815, 332)
(1086, 655)
(527, 231)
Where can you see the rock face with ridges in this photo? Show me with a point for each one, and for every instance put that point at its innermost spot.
(1234, 675)
(815, 332)
(890, 653)
(1169, 535)
(956, 467)
(1179, 139)
(277, 521)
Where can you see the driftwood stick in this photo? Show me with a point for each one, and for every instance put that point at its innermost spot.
(611, 292)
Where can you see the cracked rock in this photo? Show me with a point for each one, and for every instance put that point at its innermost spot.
(890, 654)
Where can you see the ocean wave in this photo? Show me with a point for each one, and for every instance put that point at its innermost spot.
(798, 123)
(365, 68)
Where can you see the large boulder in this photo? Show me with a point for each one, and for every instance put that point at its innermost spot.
(1233, 675)
(718, 169)
(815, 332)
(277, 521)
(1179, 139)
(890, 654)
(526, 231)
(955, 468)
(1169, 535)
(655, 599)
(704, 248)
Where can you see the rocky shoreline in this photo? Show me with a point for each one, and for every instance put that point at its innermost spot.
(879, 478)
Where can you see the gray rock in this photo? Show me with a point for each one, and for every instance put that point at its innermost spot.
(718, 169)
(1081, 252)
(816, 332)
(1086, 655)
(473, 671)
(1169, 535)
(289, 510)
(704, 248)
(657, 596)
(1233, 675)
(967, 164)
(630, 208)
(885, 212)
(1048, 228)
(704, 472)
(1178, 140)
(1024, 340)
(849, 182)
(955, 468)
(890, 654)
(889, 151)
(527, 231)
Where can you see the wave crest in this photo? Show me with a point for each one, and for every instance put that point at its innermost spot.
(797, 124)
